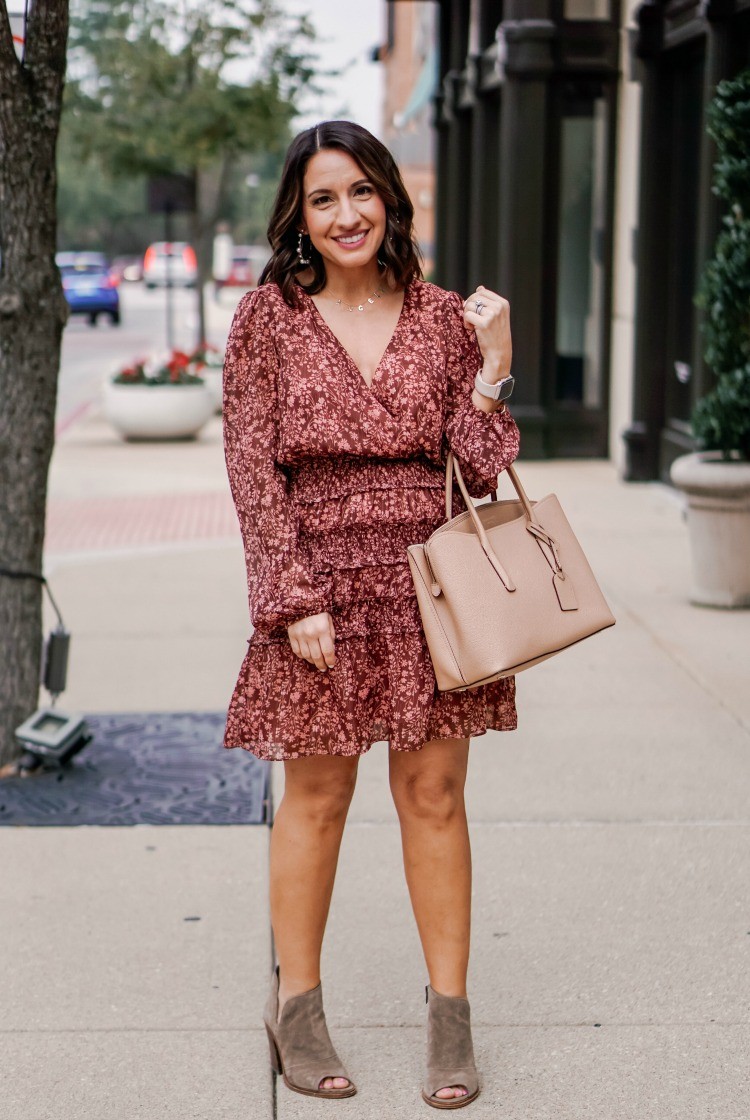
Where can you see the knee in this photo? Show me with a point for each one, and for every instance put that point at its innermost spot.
(430, 798)
(324, 805)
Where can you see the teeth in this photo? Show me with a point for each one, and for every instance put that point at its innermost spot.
(350, 240)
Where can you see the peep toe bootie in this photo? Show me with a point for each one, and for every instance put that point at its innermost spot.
(300, 1046)
(450, 1051)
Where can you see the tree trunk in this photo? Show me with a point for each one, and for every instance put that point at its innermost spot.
(202, 253)
(32, 315)
(211, 196)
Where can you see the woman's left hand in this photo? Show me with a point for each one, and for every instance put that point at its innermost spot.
(488, 314)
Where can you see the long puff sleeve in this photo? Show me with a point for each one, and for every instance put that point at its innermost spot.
(485, 443)
(281, 588)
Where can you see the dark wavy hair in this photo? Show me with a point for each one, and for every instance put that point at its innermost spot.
(398, 254)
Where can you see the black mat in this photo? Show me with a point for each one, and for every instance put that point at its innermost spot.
(145, 768)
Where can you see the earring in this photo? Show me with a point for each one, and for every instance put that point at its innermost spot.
(300, 254)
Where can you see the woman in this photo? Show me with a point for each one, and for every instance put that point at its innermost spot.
(347, 379)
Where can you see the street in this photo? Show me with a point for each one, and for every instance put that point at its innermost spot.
(91, 354)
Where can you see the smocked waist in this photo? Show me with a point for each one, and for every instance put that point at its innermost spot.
(317, 481)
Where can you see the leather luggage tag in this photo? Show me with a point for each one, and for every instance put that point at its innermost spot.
(566, 595)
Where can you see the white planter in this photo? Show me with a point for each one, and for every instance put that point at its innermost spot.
(157, 411)
(213, 376)
(718, 516)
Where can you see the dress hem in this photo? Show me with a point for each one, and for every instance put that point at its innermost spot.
(269, 753)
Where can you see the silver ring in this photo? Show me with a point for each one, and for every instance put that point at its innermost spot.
(478, 307)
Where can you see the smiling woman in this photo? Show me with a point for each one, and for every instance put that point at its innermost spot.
(336, 198)
(347, 380)
(333, 165)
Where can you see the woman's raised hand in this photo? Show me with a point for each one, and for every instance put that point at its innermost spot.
(313, 638)
(488, 314)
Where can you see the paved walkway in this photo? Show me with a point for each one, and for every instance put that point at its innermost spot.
(611, 840)
(99, 524)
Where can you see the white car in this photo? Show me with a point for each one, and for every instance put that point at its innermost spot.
(170, 259)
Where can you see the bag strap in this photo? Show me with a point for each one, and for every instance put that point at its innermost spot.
(451, 465)
(546, 543)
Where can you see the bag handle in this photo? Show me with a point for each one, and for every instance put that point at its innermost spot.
(547, 544)
(451, 465)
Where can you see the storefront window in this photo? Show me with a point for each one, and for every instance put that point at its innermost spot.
(580, 250)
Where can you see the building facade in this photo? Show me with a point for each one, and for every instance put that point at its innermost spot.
(409, 55)
(573, 176)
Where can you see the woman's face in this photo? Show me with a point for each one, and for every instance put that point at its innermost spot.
(341, 210)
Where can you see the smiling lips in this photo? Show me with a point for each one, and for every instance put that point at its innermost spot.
(351, 240)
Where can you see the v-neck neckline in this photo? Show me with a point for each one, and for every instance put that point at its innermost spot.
(353, 365)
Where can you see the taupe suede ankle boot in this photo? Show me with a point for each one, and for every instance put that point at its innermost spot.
(301, 1049)
(450, 1052)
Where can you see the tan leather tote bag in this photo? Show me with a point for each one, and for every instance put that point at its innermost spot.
(502, 587)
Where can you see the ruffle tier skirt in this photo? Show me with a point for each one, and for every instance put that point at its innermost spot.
(356, 520)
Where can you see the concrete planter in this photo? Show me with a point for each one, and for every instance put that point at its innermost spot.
(213, 376)
(157, 412)
(718, 516)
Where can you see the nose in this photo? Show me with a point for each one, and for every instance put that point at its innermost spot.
(348, 216)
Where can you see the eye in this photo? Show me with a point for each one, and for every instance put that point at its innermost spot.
(321, 199)
(364, 191)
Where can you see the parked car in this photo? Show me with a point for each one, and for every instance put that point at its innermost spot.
(89, 285)
(170, 259)
(241, 274)
(248, 261)
(128, 268)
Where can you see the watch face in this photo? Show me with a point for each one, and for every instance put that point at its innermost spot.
(506, 388)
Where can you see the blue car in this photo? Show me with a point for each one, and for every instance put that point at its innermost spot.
(90, 287)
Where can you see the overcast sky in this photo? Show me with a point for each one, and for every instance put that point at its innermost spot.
(347, 32)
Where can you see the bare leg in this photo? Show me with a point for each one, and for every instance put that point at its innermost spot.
(305, 842)
(428, 792)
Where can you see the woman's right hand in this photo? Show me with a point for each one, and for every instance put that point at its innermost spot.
(313, 638)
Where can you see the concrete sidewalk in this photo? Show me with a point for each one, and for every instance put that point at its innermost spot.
(611, 844)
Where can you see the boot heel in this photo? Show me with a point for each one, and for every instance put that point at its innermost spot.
(276, 1065)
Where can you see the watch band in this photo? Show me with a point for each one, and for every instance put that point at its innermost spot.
(496, 391)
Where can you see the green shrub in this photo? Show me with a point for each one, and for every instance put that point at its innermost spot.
(721, 420)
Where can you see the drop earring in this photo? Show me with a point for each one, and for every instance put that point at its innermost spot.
(303, 260)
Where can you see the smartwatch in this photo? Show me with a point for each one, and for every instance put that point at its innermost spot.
(497, 391)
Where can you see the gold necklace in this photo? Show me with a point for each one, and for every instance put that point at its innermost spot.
(376, 295)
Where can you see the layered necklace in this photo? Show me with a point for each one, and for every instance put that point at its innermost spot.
(376, 295)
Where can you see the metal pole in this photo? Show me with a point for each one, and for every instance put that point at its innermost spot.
(168, 275)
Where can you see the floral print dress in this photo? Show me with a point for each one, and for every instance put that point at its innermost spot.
(332, 480)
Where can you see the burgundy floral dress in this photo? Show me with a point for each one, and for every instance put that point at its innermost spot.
(332, 480)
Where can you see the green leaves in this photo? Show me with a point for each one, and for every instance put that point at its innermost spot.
(174, 85)
(721, 420)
